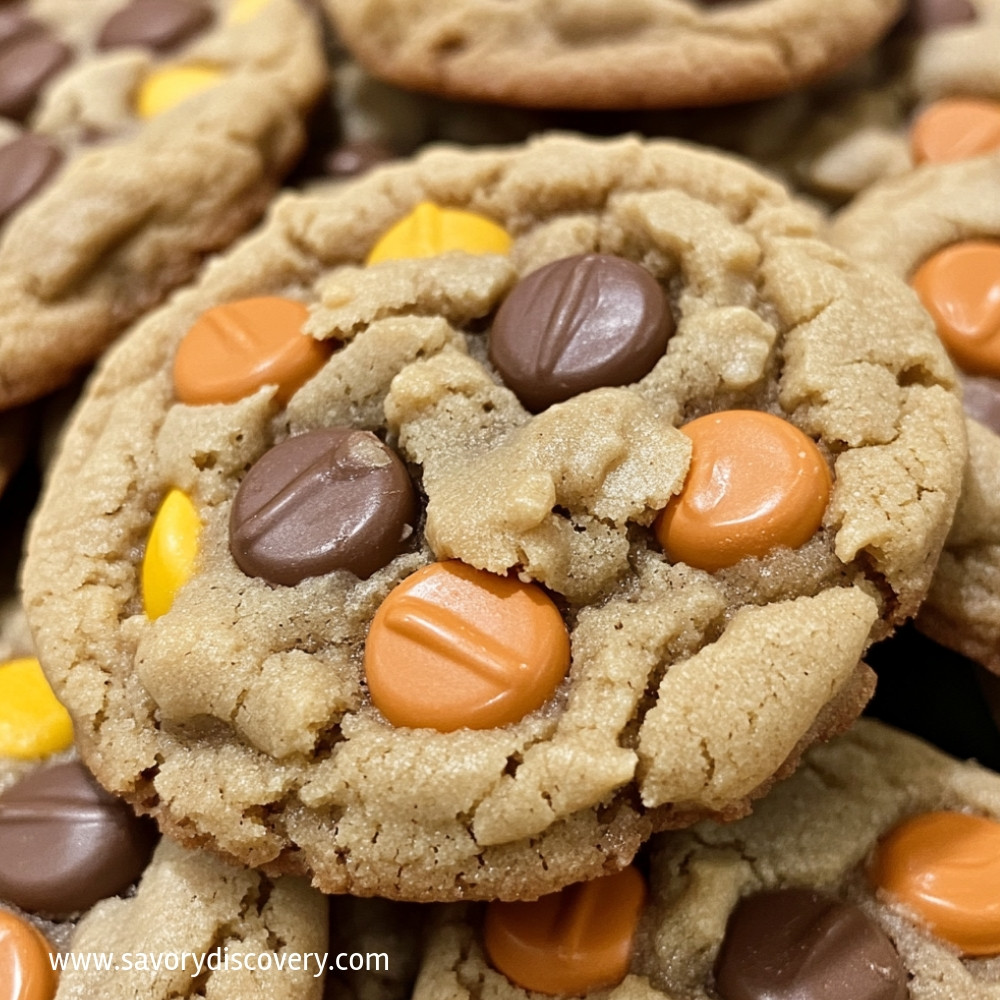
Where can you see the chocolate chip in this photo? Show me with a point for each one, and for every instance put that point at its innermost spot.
(794, 943)
(354, 158)
(26, 164)
(155, 24)
(981, 399)
(65, 843)
(331, 499)
(923, 17)
(577, 324)
(28, 60)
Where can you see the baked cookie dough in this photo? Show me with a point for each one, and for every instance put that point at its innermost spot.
(931, 89)
(250, 712)
(136, 137)
(587, 54)
(901, 226)
(868, 874)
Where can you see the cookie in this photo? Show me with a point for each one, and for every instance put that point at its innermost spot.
(865, 874)
(641, 54)
(136, 137)
(914, 225)
(222, 589)
(936, 77)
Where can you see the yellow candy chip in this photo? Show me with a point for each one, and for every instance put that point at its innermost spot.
(32, 721)
(245, 10)
(171, 550)
(165, 88)
(430, 230)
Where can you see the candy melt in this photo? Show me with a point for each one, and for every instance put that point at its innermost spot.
(791, 944)
(454, 647)
(576, 324)
(755, 482)
(242, 11)
(32, 722)
(25, 961)
(65, 843)
(569, 942)
(944, 868)
(171, 550)
(956, 128)
(234, 349)
(169, 86)
(960, 287)
(335, 498)
(430, 230)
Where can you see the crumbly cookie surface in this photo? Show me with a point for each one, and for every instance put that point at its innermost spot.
(898, 225)
(578, 53)
(814, 831)
(240, 717)
(109, 206)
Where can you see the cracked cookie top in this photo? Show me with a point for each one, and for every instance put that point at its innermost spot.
(586, 54)
(251, 712)
(112, 113)
(864, 875)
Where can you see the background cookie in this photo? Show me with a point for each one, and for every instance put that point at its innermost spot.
(640, 54)
(900, 225)
(239, 708)
(114, 192)
(808, 845)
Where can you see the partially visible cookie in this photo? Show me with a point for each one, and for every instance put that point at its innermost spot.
(330, 458)
(868, 873)
(136, 137)
(635, 54)
(913, 226)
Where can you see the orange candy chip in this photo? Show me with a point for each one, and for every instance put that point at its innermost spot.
(569, 942)
(945, 868)
(755, 482)
(454, 647)
(234, 349)
(25, 967)
(960, 287)
(956, 128)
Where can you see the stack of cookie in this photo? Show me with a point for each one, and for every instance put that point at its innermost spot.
(504, 533)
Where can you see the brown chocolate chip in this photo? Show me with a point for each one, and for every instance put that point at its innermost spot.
(155, 24)
(65, 843)
(794, 943)
(923, 17)
(577, 324)
(26, 164)
(29, 58)
(331, 499)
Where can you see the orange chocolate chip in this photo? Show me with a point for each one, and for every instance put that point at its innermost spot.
(960, 287)
(25, 966)
(945, 868)
(234, 349)
(956, 128)
(569, 942)
(454, 647)
(755, 482)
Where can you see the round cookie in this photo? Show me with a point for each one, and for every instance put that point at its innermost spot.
(806, 897)
(147, 135)
(639, 54)
(237, 711)
(899, 225)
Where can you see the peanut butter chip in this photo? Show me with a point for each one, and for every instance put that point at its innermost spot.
(25, 967)
(454, 647)
(956, 128)
(756, 482)
(945, 868)
(960, 287)
(569, 942)
(234, 349)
